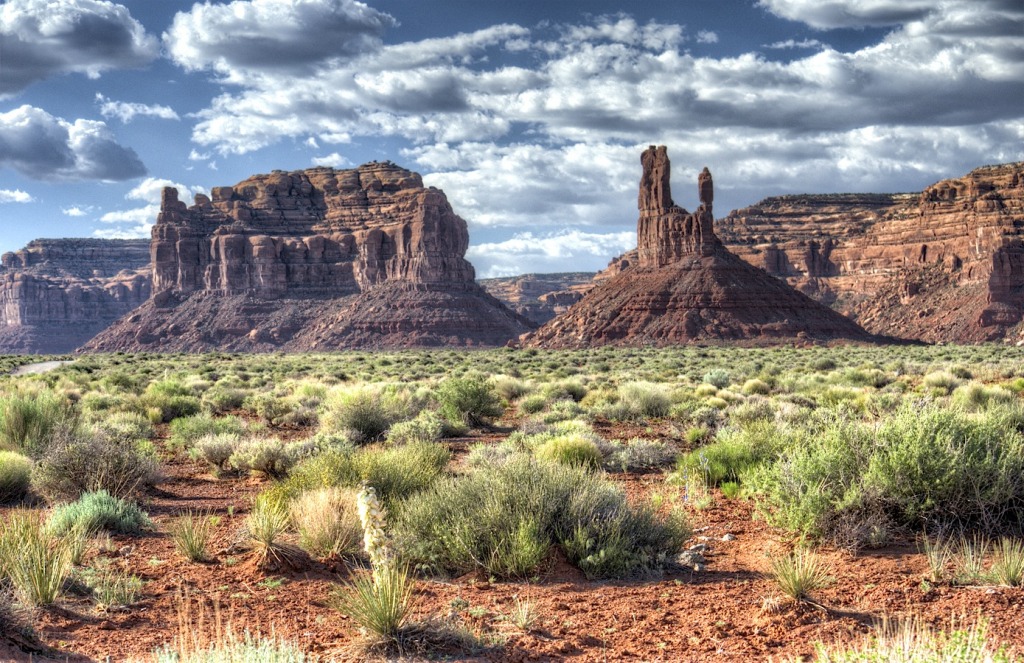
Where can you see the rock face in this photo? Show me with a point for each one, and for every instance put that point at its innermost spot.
(946, 264)
(540, 297)
(56, 294)
(313, 259)
(683, 286)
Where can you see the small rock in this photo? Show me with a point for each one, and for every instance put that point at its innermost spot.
(699, 548)
(692, 559)
(729, 537)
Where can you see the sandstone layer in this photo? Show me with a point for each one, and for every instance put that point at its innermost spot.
(686, 287)
(313, 259)
(946, 264)
(540, 297)
(56, 294)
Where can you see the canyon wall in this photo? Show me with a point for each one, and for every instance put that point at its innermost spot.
(56, 294)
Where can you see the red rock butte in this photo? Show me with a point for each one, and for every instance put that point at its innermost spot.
(684, 286)
(314, 259)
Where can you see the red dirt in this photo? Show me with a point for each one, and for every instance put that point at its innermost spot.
(722, 613)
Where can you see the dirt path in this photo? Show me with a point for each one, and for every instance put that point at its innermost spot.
(39, 367)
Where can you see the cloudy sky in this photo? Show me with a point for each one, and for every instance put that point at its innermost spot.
(529, 114)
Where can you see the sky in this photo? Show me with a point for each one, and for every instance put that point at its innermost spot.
(530, 114)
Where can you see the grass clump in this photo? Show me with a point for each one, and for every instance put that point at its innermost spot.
(799, 574)
(111, 588)
(216, 450)
(570, 449)
(33, 558)
(191, 535)
(97, 511)
(186, 431)
(29, 420)
(504, 518)
(265, 528)
(913, 640)
(15, 476)
(1008, 562)
(327, 521)
(639, 401)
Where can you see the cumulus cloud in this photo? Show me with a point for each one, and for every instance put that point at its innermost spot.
(570, 251)
(332, 160)
(793, 43)
(77, 210)
(252, 36)
(825, 14)
(45, 147)
(44, 38)
(140, 219)
(127, 111)
(707, 37)
(15, 196)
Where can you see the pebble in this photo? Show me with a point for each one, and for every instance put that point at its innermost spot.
(729, 537)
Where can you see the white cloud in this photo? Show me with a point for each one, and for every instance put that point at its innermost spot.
(126, 112)
(247, 37)
(332, 160)
(77, 210)
(825, 14)
(707, 37)
(569, 251)
(792, 43)
(15, 196)
(44, 38)
(140, 231)
(46, 147)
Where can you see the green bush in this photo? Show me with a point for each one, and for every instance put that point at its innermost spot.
(185, 431)
(736, 451)
(533, 404)
(639, 454)
(718, 377)
(125, 427)
(498, 517)
(169, 400)
(641, 400)
(216, 450)
(220, 399)
(364, 413)
(15, 476)
(28, 421)
(268, 407)
(469, 400)
(267, 456)
(570, 449)
(427, 426)
(35, 561)
(98, 511)
(755, 386)
(80, 463)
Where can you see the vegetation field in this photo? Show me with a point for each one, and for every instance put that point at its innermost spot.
(835, 504)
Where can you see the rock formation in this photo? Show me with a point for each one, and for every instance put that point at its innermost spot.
(313, 259)
(686, 287)
(56, 294)
(540, 297)
(943, 265)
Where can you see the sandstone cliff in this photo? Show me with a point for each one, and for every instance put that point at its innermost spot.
(540, 297)
(686, 287)
(56, 294)
(946, 264)
(313, 259)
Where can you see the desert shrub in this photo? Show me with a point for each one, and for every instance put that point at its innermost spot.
(186, 430)
(168, 400)
(639, 454)
(718, 377)
(975, 396)
(191, 534)
(570, 449)
(941, 381)
(394, 472)
(233, 647)
(498, 517)
(737, 450)
(705, 390)
(365, 413)
(29, 420)
(641, 400)
(469, 400)
(327, 521)
(510, 388)
(80, 463)
(754, 409)
(265, 527)
(533, 404)
(111, 588)
(33, 559)
(754, 386)
(563, 410)
(125, 427)
(216, 449)
(427, 426)
(267, 456)
(98, 511)
(218, 399)
(15, 476)
(268, 407)
(798, 574)
(914, 640)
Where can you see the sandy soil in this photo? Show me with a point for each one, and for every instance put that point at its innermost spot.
(730, 611)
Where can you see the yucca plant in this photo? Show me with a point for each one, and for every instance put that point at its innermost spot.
(379, 601)
(969, 560)
(36, 562)
(327, 521)
(1008, 562)
(191, 534)
(798, 574)
(113, 589)
(938, 553)
(266, 525)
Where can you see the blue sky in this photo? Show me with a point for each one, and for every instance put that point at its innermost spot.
(530, 115)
